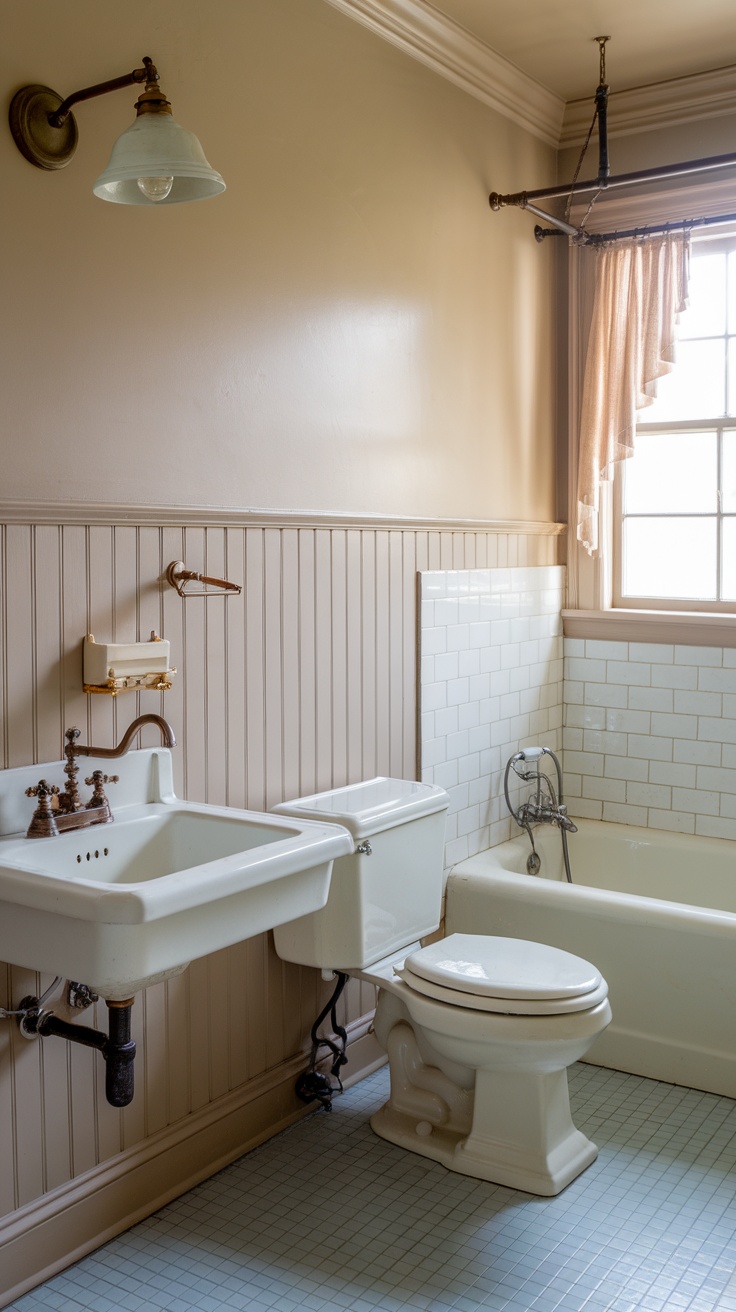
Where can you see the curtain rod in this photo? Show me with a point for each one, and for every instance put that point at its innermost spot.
(584, 238)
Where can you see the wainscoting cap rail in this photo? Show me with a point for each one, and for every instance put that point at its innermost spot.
(93, 512)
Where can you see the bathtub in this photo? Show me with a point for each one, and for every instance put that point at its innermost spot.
(654, 911)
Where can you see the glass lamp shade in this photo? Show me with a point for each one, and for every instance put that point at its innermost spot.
(156, 149)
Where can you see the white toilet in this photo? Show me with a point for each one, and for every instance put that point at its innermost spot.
(479, 1030)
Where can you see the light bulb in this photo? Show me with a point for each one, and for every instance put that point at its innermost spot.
(155, 188)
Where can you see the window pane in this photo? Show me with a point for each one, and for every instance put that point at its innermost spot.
(731, 292)
(670, 558)
(729, 560)
(729, 472)
(696, 387)
(672, 472)
(706, 313)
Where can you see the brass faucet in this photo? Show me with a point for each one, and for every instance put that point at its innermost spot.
(58, 811)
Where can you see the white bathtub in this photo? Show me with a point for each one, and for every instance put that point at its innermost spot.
(654, 911)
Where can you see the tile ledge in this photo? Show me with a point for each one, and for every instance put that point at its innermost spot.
(688, 628)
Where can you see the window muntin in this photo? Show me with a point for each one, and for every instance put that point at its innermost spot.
(675, 499)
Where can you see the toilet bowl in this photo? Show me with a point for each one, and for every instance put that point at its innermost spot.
(479, 1030)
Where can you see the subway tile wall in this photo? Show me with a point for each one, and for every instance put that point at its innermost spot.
(491, 671)
(650, 735)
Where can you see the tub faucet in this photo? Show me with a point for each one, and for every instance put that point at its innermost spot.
(58, 811)
(542, 807)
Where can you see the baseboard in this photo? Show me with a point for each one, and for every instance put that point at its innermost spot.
(57, 1229)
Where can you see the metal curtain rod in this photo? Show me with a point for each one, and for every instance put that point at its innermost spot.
(646, 230)
(604, 182)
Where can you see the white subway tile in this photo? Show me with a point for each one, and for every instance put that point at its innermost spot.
(468, 715)
(582, 668)
(586, 808)
(457, 691)
(520, 679)
(728, 756)
(490, 709)
(468, 820)
(717, 779)
(627, 767)
(500, 632)
(509, 655)
(434, 751)
(479, 686)
(468, 663)
(574, 646)
(729, 706)
(457, 745)
(624, 813)
(679, 822)
(698, 703)
(434, 640)
(606, 694)
(457, 850)
(433, 697)
(695, 799)
(596, 649)
(479, 739)
(530, 699)
(651, 699)
(585, 762)
(638, 673)
(458, 637)
(458, 795)
(613, 744)
(697, 753)
(698, 656)
(728, 805)
(716, 730)
(426, 669)
(729, 657)
(668, 772)
(573, 785)
(574, 692)
(585, 717)
(490, 659)
(445, 774)
(674, 726)
(426, 724)
(604, 790)
(479, 841)
(674, 676)
(433, 583)
(572, 740)
(447, 665)
(651, 749)
(658, 795)
(445, 721)
(445, 611)
(480, 635)
(717, 680)
(658, 653)
(628, 721)
(715, 826)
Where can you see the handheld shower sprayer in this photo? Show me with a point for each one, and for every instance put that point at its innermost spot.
(543, 806)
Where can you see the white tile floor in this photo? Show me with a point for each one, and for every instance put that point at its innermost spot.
(329, 1217)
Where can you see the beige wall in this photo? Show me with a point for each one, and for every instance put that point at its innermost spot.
(346, 328)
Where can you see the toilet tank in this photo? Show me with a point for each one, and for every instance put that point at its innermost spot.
(385, 896)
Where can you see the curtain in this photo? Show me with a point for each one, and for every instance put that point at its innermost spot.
(641, 288)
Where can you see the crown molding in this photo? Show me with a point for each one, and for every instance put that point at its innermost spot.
(62, 513)
(421, 31)
(661, 105)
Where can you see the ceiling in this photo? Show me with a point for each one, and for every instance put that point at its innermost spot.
(552, 40)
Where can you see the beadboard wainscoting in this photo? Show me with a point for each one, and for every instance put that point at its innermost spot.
(306, 680)
(491, 682)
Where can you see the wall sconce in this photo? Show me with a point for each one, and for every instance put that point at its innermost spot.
(154, 162)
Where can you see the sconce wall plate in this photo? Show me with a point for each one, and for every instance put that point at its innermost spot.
(42, 144)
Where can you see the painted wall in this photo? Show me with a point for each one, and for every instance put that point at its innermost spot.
(346, 328)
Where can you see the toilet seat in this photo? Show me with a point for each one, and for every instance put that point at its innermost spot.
(503, 975)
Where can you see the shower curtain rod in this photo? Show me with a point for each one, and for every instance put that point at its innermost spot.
(526, 200)
(584, 238)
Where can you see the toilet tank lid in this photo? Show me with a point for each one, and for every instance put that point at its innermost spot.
(368, 807)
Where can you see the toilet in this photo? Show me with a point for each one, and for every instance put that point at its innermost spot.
(479, 1030)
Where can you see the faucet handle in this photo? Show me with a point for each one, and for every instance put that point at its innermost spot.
(43, 821)
(98, 779)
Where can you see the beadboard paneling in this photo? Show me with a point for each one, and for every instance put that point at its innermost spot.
(304, 681)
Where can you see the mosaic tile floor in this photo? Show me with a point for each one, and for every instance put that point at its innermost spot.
(329, 1218)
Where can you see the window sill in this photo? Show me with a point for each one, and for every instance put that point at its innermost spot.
(688, 628)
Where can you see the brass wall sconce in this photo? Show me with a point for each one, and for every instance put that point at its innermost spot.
(154, 162)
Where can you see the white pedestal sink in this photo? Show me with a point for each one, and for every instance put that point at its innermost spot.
(122, 905)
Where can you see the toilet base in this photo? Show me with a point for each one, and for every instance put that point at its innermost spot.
(514, 1128)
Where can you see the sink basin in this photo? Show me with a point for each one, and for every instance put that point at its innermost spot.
(122, 905)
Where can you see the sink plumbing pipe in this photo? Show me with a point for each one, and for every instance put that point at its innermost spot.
(117, 1047)
(543, 807)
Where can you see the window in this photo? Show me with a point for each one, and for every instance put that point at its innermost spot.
(675, 499)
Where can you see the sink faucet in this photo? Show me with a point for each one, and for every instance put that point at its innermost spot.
(68, 811)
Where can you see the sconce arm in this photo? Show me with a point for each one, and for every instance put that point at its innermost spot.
(146, 74)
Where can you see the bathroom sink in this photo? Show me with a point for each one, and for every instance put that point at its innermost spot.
(122, 905)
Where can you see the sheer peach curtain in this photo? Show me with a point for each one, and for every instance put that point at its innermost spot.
(641, 288)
